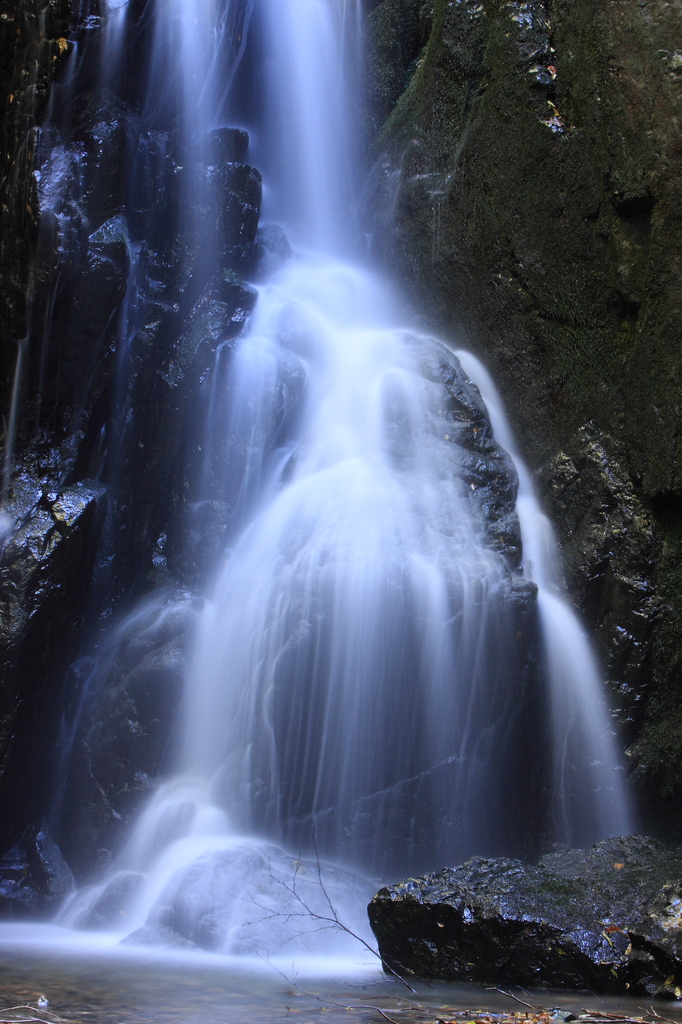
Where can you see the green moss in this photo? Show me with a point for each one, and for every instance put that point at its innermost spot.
(556, 255)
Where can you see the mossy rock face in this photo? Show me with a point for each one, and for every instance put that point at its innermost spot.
(34, 48)
(527, 194)
(605, 919)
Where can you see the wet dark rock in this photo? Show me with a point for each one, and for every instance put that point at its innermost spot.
(240, 193)
(228, 145)
(153, 202)
(121, 708)
(234, 191)
(34, 877)
(607, 919)
(204, 540)
(62, 232)
(170, 359)
(33, 47)
(238, 300)
(45, 575)
(399, 30)
(485, 467)
(609, 547)
(243, 900)
(71, 355)
(273, 248)
(105, 137)
(118, 308)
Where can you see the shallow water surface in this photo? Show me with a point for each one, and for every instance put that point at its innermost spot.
(88, 983)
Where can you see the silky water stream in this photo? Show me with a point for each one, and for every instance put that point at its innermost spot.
(374, 687)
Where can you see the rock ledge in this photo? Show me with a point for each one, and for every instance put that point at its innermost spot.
(607, 919)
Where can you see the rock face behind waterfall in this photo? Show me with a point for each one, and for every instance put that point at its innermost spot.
(607, 919)
(484, 466)
(92, 228)
(526, 193)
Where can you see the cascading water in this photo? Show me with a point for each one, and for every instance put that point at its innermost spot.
(365, 683)
(589, 795)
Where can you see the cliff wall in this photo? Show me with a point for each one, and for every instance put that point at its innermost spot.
(527, 194)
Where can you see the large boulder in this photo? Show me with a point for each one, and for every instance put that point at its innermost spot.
(607, 919)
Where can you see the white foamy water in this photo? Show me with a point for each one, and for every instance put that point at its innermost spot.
(359, 691)
(589, 791)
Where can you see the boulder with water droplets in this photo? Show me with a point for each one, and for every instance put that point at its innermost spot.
(607, 919)
(228, 145)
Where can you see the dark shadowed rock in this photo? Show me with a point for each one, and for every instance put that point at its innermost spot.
(122, 705)
(34, 877)
(607, 919)
(46, 566)
(273, 248)
(610, 547)
(484, 466)
(228, 145)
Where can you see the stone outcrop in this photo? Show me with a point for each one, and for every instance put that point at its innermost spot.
(35, 45)
(526, 194)
(607, 919)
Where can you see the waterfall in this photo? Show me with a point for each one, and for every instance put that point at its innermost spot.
(590, 800)
(368, 684)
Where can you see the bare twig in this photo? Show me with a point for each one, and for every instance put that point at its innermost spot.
(26, 1008)
(658, 1016)
(510, 995)
(332, 920)
(331, 1002)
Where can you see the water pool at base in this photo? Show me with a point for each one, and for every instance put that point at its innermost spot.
(87, 982)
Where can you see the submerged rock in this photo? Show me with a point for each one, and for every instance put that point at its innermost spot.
(254, 899)
(109, 906)
(607, 919)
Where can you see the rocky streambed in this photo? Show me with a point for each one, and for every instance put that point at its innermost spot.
(607, 919)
